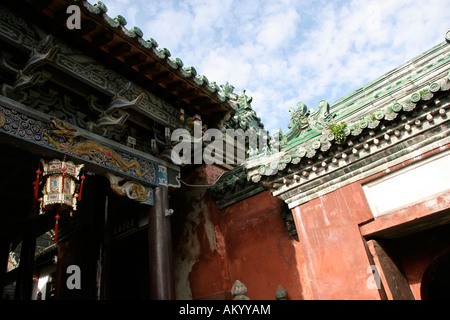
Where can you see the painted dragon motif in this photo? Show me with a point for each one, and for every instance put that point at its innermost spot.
(88, 147)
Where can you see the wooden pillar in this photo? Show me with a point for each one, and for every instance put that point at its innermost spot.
(102, 271)
(394, 282)
(162, 286)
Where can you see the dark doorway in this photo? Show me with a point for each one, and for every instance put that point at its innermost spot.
(126, 263)
(436, 280)
(128, 278)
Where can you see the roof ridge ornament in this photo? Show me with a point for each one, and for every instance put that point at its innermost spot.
(305, 119)
(299, 115)
(227, 88)
(244, 101)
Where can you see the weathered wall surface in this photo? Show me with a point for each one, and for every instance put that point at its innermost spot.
(247, 241)
(333, 230)
(261, 253)
(194, 238)
(337, 261)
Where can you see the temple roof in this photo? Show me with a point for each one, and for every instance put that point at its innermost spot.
(141, 60)
(337, 135)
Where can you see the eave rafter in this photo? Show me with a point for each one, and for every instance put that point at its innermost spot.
(102, 38)
(120, 50)
(199, 101)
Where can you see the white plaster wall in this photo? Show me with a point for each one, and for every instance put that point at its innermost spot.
(410, 185)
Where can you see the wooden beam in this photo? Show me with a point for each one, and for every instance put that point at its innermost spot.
(394, 282)
(88, 27)
(189, 92)
(120, 49)
(212, 108)
(160, 77)
(199, 101)
(103, 38)
(135, 59)
(41, 4)
(148, 68)
(172, 86)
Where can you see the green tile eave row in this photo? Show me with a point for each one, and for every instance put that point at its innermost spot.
(348, 110)
(416, 74)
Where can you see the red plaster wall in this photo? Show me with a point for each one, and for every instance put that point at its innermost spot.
(253, 246)
(261, 253)
(337, 261)
(200, 267)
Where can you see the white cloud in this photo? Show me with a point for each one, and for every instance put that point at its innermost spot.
(276, 29)
(168, 28)
(221, 68)
(359, 41)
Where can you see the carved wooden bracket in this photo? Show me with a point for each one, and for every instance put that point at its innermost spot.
(131, 189)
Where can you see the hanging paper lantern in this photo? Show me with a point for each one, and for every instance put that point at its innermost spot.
(61, 190)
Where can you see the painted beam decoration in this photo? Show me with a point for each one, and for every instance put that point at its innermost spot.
(101, 118)
(67, 140)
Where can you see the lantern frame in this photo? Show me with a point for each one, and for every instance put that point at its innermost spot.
(60, 192)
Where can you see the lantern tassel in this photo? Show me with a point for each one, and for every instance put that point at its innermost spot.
(36, 188)
(81, 187)
(56, 228)
(34, 194)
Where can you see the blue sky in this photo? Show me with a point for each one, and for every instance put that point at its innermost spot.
(286, 51)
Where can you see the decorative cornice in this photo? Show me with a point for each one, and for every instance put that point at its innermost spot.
(295, 151)
(365, 150)
(18, 121)
(131, 189)
(233, 187)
